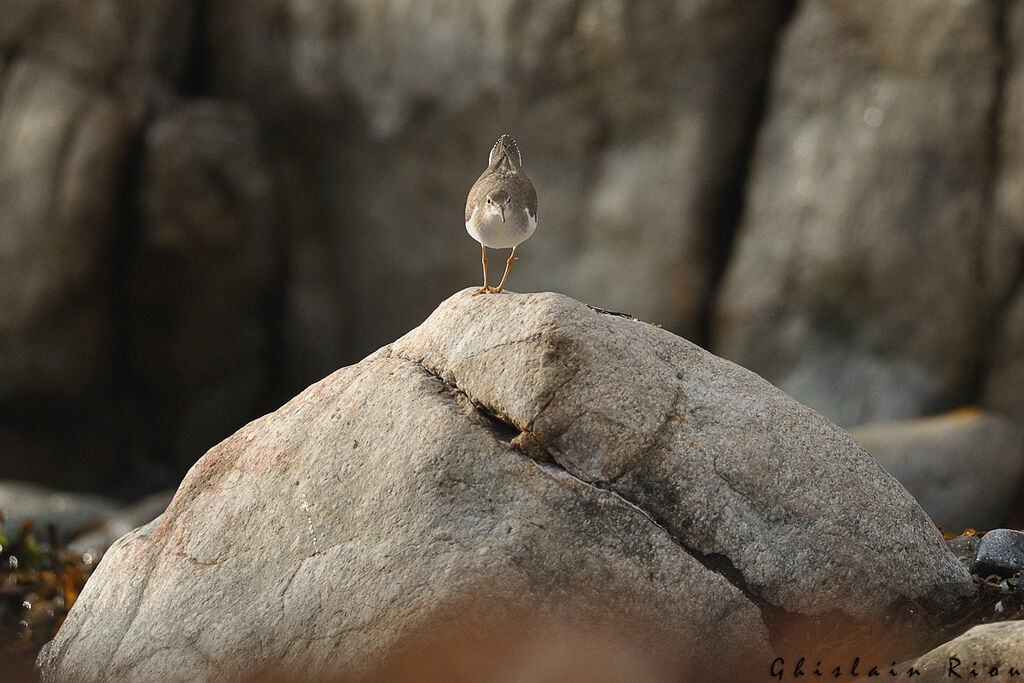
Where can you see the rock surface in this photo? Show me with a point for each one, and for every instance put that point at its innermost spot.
(965, 468)
(68, 512)
(123, 520)
(1001, 552)
(514, 457)
(866, 216)
(206, 212)
(986, 647)
(633, 120)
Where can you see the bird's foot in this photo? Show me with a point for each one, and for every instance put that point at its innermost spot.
(486, 289)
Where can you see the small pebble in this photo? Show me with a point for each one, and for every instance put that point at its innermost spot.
(1000, 552)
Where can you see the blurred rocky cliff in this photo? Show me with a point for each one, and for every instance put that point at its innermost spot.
(206, 205)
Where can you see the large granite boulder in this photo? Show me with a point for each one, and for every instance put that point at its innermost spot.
(514, 462)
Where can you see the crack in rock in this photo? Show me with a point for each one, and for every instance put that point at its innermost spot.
(781, 624)
(525, 443)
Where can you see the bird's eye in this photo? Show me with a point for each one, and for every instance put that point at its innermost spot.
(488, 200)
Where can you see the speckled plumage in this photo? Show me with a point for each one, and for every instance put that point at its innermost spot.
(504, 174)
(501, 210)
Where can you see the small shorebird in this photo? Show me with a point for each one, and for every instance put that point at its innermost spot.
(501, 210)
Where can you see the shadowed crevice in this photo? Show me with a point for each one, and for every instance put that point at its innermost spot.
(195, 75)
(728, 204)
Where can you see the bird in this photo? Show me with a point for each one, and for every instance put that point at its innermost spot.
(501, 209)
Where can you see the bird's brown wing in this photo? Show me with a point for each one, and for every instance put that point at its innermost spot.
(477, 193)
(531, 197)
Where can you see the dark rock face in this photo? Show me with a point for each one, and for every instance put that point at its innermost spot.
(521, 459)
(200, 352)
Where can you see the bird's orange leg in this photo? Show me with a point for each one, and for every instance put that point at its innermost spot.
(508, 267)
(483, 259)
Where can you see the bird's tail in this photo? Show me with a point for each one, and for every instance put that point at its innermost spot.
(505, 147)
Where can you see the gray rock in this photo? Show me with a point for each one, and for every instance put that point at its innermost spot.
(1003, 246)
(61, 151)
(965, 468)
(69, 512)
(991, 649)
(198, 284)
(1005, 369)
(106, 41)
(1004, 360)
(515, 459)
(120, 522)
(62, 147)
(854, 284)
(1001, 551)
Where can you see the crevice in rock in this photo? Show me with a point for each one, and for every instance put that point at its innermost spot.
(195, 74)
(605, 311)
(714, 562)
(122, 251)
(900, 631)
(728, 203)
(525, 442)
(6, 61)
(994, 314)
(502, 430)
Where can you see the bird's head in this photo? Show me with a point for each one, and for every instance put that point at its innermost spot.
(498, 202)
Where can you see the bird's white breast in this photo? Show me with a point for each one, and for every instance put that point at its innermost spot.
(488, 229)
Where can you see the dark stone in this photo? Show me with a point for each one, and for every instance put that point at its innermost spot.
(1000, 552)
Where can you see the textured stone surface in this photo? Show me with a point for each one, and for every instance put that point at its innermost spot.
(984, 647)
(514, 454)
(1005, 372)
(729, 464)
(105, 41)
(61, 157)
(1001, 551)
(965, 468)
(855, 284)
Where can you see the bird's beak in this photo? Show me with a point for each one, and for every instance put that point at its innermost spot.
(501, 210)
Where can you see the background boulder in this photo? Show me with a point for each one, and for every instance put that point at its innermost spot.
(965, 468)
